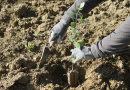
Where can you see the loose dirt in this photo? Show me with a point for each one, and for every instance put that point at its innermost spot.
(23, 21)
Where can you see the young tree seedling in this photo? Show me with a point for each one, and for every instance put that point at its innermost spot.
(75, 32)
(30, 47)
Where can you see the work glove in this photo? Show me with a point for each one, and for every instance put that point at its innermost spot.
(82, 52)
(59, 30)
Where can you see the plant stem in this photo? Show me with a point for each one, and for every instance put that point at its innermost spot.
(76, 23)
(76, 18)
(75, 36)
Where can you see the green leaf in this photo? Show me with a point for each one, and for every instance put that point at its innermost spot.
(81, 42)
(73, 59)
(82, 4)
(74, 11)
(77, 32)
(80, 7)
(31, 47)
(76, 44)
(81, 20)
(26, 47)
(80, 14)
(71, 15)
(72, 38)
(74, 31)
(73, 24)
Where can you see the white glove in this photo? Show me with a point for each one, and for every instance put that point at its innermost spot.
(59, 30)
(81, 53)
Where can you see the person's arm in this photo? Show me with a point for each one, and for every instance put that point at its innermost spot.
(60, 28)
(89, 5)
(114, 42)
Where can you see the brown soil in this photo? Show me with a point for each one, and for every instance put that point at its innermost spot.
(29, 21)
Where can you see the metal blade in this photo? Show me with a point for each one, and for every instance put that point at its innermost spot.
(44, 56)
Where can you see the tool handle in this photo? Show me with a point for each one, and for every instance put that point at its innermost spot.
(53, 42)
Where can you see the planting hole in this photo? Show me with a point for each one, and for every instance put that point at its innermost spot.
(1, 35)
(58, 72)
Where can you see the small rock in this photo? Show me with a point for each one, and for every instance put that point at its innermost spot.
(23, 78)
(12, 67)
(113, 55)
(7, 65)
(3, 9)
(35, 21)
(7, 70)
(65, 52)
(37, 57)
(34, 3)
(45, 17)
(11, 29)
(61, 12)
(56, 9)
(119, 63)
(99, 76)
(119, 57)
(112, 84)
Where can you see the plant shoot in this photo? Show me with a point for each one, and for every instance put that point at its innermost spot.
(75, 32)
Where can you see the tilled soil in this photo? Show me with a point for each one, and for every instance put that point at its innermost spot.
(23, 21)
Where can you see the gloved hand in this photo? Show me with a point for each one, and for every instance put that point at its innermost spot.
(59, 30)
(81, 53)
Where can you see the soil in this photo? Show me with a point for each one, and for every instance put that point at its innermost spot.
(23, 21)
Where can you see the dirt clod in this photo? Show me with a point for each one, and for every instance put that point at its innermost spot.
(20, 10)
(20, 78)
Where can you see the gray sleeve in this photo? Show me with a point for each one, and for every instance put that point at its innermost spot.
(89, 5)
(114, 42)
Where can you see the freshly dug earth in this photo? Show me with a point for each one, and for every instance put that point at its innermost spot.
(29, 21)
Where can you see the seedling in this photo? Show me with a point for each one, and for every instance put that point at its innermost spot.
(30, 47)
(75, 32)
(10, 12)
(73, 74)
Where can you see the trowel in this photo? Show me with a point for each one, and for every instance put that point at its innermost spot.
(45, 52)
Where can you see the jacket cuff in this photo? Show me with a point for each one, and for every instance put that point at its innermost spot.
(94, 51)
